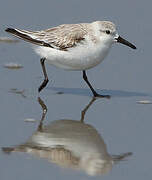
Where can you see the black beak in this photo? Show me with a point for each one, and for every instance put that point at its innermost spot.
(123, 41)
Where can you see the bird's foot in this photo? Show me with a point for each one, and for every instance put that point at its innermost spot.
(96, 95)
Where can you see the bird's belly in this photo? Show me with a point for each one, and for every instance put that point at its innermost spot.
(75, 58)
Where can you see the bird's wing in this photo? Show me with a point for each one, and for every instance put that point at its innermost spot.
(65, 36)
(61, 37)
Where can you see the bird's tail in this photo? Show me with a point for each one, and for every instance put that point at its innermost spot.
(8, 150)
(27, 36)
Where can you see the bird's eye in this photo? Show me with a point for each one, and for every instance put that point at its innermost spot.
(107, 32)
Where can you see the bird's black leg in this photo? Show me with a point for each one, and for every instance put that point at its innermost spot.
(44, 83)
(92, 89)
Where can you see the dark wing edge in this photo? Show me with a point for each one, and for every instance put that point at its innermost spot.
(26, 37)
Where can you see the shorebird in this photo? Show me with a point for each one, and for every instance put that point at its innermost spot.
(73, 46)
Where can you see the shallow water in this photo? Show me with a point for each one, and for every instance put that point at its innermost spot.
(118, 126)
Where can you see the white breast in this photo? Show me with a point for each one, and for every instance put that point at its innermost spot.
(81, 57)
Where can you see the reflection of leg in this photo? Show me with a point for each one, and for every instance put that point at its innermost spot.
(44, 108)
(44, 83)
(92, 89)
(86, 108)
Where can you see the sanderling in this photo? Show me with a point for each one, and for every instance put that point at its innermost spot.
(73, 46)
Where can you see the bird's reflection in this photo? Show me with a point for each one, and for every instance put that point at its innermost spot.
(70, 143)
